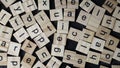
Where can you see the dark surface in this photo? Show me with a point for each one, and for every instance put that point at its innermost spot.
(71, 45)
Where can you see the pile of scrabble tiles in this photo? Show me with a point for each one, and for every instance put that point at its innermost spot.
(59, 34)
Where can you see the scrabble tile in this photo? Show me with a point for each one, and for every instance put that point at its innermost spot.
(17, 8)
(88, 35)
(43, 54)
(13, 62)
(74, 34)
(39, 65)
(57, 50)
(93, 57)
(87, 5)
(115, 66)
(6, 32)
(21, 35)
(27, 61)
(101, 66)
(16, 22)
(48, 28)
(60, 4)
(103, 32)
(80, 61)
(106, 56)
(111, 42)
(4, 44)
(28, 19)
(72, 4)
(4, 16)
(28, 46)
(116, 12)
(7, 3)
(69, 14)
(83, 18)
(83, 46)
(3, 59)
(14, 49)
(56, 14)
(54, 63)
(117, 26)
(110, 5)
(59, 39)
(43, 4)
(69, 57)
(62, 27)
(108, 21)
(98, 44)
(116, 55)
(29, 5)
(34, 30)
(41, 40)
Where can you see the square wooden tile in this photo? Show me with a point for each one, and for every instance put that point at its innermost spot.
(3, 59)
(60, 4)
(116, 27)
(39, 65)
(115, 66)
(116, 55)
(43, 4)
(7, 3)
(69, 14)
(72, 4)
(116, 12)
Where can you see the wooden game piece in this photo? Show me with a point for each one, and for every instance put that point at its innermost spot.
(110, 5)
(103, 32)
(3, 59)
(59, 39)
(54, 63)
(7, 3)
(116, 12)
(69, 57)
(101, 66)
(39, 65)
(43, 54)
(87, 5)
(117, 26)
(111, 42)
(28, 19)
(43, 4)
(62, 27)
(80, 61)
(93, 57)
(28, 46)
(16, 22)
(115, 66)
(60, 4)
(34, 30)
(27, 61)
(83, 17)
(56, 14)
(116, 55)
(98, 44)
(4, 17)
(69, 14)
(72, 4)
(74, 34)
(14, 49)
(57, 50)
(6, 32)
(83, 46)
(29, 5)
(41, 40)
(106, 56)
(21, 35)
(17, 8)
(108, 21)
(88, 35)
(13, 62)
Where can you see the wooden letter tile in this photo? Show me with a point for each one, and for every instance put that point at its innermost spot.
(69, 14)
(116, 55)
(60, 4)
(39, 65)
(117, 26)
(3, 59)
(7, 3)
(43, 4)
(116, 12)
(72, 4)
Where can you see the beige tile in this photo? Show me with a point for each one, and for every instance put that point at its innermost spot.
(21, 35)
(60, 4)
(116, 55)
(72, 4)
(41, 40)
(7, 3)
(101, 66)
(116, 12)
(69, 14)
(4, 16)
(111, 42)
(39, 64)
(116, 27)
(115, 66)
(13, 62)
(93, 57)
(3, 59)
(43, 4)
(28, 46)
(110, 5)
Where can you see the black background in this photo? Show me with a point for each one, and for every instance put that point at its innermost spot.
(70, 45)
